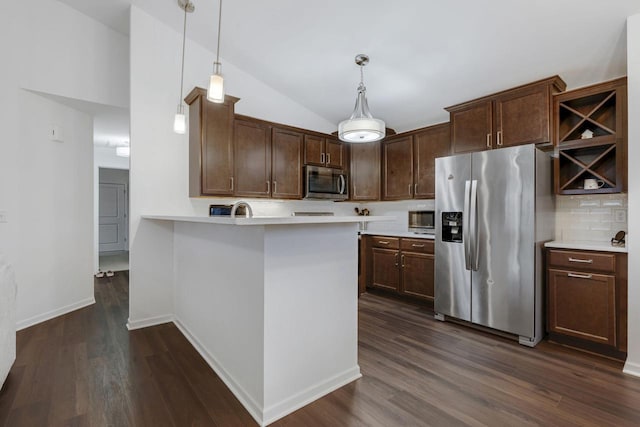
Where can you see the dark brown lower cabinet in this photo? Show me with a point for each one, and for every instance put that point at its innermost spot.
(587, 300)
(402, 265)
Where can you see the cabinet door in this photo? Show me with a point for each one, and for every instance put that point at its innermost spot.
(286, 164)
(314, 150)
(428, 145)
(582, 305)
(365, 171)
(471, 128)
(252, 153)
(523, 117)
(397, 168)
(334, 153)
(417, 274)
(385, 264)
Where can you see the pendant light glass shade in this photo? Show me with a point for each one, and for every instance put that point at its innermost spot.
(215, 93)
(361, 126)
(180, 121)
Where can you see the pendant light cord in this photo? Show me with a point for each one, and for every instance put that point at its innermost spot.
(362, 74)
(184, 37)
(219, 25)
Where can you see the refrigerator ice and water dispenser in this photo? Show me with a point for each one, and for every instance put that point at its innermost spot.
(452, 227)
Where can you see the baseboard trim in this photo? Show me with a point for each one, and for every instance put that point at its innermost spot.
(632, 369)
(149, 321)
(23, 324)
(245, 399)
(287, 406)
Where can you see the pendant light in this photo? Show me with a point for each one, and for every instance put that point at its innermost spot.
(216, 82)
(180, 121)
(361, 126)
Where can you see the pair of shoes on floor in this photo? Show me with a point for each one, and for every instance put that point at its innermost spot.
(101, 274)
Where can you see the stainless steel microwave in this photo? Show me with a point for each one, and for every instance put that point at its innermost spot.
(422, 222)
(325, 183)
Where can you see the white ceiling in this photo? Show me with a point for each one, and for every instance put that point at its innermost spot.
(425, 54)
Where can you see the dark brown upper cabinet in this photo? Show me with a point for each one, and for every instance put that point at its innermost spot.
(286, 164)
(408, 162)
(321, 151)
(365, 171)
(252, 152)
(522, 115)
(210, 145)
(397, 168)
(591, 138)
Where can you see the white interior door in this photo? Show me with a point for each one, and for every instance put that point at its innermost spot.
(112, 217)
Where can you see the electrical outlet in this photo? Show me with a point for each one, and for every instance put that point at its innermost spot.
(620, 215)
(3, 217)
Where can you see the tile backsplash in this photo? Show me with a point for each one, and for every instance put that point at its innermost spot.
(595, 217)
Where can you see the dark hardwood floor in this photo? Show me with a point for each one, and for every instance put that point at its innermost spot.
(86, 369)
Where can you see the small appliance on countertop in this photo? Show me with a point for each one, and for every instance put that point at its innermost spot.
(225, 210)
(422, 222)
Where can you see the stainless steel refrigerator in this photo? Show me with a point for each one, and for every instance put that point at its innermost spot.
(494, 211)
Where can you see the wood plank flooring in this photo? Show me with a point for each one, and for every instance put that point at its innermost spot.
(86, 369)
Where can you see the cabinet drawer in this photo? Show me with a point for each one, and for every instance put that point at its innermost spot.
(385, 242)
(583, 260)
(417, 245)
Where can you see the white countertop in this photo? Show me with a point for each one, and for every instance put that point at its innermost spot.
(409, 234)
(586, 246)
(270, 220)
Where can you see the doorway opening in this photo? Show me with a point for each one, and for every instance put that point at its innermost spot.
(113, 220)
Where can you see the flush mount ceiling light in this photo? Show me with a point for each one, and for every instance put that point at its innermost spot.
(361, 126)
(180, 121)
(215, 93)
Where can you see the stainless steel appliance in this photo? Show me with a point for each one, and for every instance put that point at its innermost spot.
(325, 183)
(494, 211)
(422, 222)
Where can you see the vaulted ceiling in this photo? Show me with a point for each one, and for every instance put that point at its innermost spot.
(425, 54)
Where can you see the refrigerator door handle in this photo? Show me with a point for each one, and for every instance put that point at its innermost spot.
(465, 225)
(473, 225)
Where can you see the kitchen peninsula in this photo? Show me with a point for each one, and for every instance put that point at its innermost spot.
(270, 303)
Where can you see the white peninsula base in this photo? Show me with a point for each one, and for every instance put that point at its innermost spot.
(271, 307)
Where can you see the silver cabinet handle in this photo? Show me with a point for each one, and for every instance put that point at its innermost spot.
(415, 189)
(231, 179)
(580, 276)
(488, 140)
(402, 258)
(322, 158)
(275, 187)
(499, 137)
(417, 246)
(328, 158)
(268, 187)
(583, 261)
(383, 242)
(409, 189)
(396, 259)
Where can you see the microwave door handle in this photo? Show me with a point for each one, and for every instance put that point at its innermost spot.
(343, 184)
(465, 225)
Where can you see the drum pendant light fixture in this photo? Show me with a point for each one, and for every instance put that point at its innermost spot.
(361, 126)
(180, 121)
(215, 93)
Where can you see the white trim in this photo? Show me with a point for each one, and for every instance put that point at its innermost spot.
(245, 399)
(149, 321)
(293, 403)
(54, 313)
(632, 369)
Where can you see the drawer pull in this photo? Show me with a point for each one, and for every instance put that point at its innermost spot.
(580, 276)
(415, 245)
(584, 261)
(383, 242)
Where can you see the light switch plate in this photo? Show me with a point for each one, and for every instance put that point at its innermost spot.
(3, 217)
(621, 215)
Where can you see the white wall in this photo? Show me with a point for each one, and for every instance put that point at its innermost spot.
(46, 187)
(633, 74)
(159, 158)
